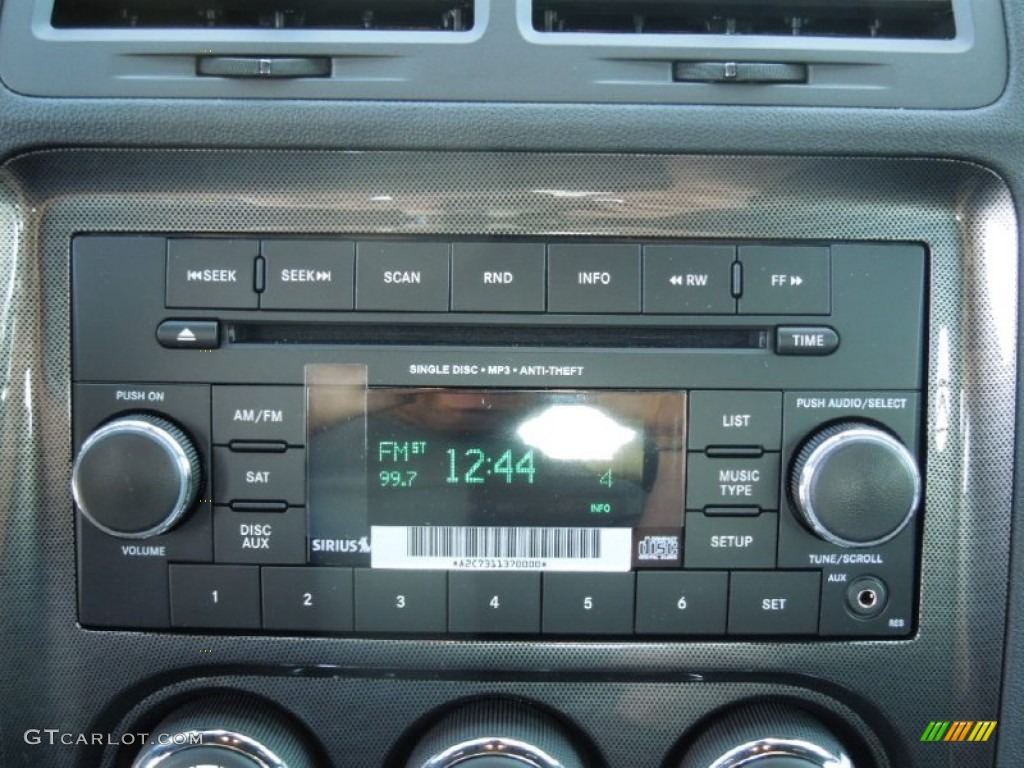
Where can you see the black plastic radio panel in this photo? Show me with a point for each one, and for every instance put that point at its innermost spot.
(332, 388)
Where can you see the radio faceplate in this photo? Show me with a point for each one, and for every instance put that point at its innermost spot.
(321, 398)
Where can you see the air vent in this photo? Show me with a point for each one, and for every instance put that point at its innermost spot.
(390, 15)
(907, 19)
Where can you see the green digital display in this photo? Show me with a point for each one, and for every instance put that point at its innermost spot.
(523, 458)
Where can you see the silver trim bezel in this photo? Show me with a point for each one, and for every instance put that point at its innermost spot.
(221, 738)
(527, 754)
(820, 454)
(752, 752)
(162, 437)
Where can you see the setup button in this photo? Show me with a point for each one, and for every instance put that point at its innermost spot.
(730, 542)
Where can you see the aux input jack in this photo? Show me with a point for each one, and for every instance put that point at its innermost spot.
(866, 597)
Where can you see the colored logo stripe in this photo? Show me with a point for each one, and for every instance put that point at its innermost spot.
(935, 731)
(982, 730)
(959, 730)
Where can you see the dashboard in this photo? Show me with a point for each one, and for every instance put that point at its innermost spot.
(510, 382)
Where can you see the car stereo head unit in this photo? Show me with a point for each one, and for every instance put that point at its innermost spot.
(498, 438)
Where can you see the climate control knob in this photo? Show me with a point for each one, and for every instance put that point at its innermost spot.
(223, 732)
(766, 736)
(855, 485)
(495, 734)
(136, 476)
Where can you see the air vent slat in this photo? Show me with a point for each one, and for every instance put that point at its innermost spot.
(913, 19)
(393, 15)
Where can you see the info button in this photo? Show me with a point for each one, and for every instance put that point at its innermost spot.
(594, 278)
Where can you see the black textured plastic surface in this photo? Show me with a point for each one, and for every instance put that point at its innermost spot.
(54, 672)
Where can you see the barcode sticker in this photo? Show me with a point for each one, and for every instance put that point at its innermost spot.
(452, 547)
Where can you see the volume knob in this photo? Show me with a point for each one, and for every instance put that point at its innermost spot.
(136, 476)
(855, 485)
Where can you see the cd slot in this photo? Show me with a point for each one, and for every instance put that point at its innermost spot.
(343, 334)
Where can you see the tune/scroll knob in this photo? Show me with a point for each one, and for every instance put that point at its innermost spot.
(136, 476)
(855, 485)
(766, 735)
(495, 734)
(225, 732)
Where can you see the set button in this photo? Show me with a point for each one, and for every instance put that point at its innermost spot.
(774, 603)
